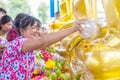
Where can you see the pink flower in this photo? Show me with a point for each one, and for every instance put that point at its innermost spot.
(46, 55)
(37, 78)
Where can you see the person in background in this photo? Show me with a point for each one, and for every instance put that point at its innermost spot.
(57, 15)
(14, 33)
(5, 25)
(2, 12)
(18, 59)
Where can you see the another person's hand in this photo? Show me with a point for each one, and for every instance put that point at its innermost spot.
(2, 48)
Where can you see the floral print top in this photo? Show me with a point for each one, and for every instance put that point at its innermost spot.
(13, 65)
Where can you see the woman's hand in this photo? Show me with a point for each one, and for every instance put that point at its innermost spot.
(2, 48)
(77, 24)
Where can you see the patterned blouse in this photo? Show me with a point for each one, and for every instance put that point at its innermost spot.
(13, 65)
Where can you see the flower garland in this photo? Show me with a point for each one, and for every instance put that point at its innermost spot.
(49, 65)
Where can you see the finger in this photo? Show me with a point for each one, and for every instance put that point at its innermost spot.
(79, 29)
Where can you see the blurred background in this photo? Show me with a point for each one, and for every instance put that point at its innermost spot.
(41, 9)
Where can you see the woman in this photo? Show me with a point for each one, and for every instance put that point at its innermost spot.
(5, 25)
(18, 58)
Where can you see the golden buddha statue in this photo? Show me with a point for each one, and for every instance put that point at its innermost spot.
(99, 58)
(66, 13)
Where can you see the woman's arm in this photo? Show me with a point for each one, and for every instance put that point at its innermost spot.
(48, 39)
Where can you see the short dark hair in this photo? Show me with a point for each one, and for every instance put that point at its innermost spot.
(29, 20)
(5, 19)
(18, 19)
(57, 12)
(3, 10)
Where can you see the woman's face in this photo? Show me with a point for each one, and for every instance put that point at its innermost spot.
(6, 27)
(31, 31)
